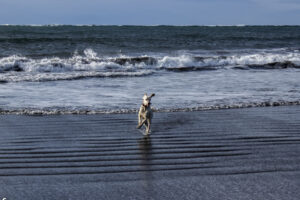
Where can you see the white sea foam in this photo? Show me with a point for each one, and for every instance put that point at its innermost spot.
(38, 77)
(90, 64)
(60, 111)
(229, 61)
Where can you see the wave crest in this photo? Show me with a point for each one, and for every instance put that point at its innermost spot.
(90, 64)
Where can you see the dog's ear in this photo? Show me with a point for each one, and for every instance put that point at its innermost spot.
(152, 95)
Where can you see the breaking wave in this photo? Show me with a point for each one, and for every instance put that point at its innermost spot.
(17, 68)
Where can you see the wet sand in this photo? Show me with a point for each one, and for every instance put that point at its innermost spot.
(224, 154)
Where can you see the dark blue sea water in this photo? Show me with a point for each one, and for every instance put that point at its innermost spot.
(96, 69)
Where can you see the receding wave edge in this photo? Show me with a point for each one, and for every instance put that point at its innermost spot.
(62, 111)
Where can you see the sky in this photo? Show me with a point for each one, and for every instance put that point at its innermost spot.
(151, 12)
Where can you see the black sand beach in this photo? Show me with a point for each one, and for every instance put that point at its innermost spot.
(223, 154)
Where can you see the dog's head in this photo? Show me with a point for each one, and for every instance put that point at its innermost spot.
(147, 99)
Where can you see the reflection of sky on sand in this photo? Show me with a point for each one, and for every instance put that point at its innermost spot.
(190, 155)
(145, 148)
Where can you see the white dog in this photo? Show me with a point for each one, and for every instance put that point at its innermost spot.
(145, 113)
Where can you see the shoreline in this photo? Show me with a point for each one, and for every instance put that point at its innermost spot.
(250, 153)
(46, 112)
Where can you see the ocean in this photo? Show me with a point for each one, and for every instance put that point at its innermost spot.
(107, 69)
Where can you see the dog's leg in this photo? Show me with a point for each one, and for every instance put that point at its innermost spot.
(141, 124)
(139, 118)
(148, 126)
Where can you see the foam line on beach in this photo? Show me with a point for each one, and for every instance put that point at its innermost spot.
(55, 111)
